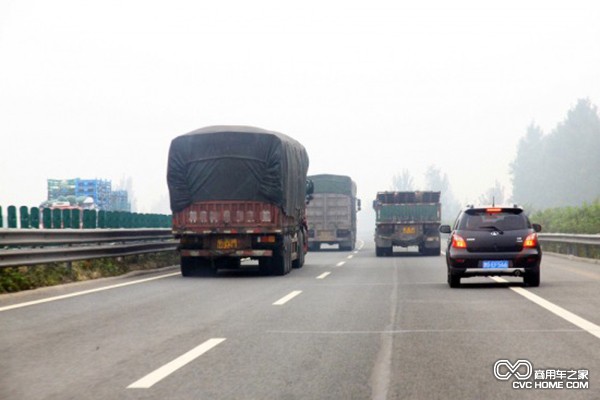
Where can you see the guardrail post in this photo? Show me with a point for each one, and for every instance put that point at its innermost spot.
(56, 218)
(34, 217)
(12, 216)
(24, 216)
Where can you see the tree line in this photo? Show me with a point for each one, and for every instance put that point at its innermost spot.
(562, 168)
(555, 176)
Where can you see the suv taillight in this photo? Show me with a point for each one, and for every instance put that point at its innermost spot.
(458, 242)
(530, 240)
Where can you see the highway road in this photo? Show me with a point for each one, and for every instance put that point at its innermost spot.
(347, 325)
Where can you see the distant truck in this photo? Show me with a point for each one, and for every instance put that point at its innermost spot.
(407, 219)
(238, 192)
(331, 214)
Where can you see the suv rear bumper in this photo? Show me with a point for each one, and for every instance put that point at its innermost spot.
(464, 263)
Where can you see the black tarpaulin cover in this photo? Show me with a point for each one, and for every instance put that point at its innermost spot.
(237, 163)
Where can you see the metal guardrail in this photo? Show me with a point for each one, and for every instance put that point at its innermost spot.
(586, 246)
(569, 238)
(19, 247)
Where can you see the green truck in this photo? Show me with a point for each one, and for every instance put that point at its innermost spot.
(331, 214)
(407, 219)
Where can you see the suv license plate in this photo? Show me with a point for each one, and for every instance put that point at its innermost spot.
(496, 264)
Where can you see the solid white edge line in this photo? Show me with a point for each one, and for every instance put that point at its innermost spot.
(323, 275)
(153, 377)
(287, 298)
(340, 263)
(75, 294)
(576, 320)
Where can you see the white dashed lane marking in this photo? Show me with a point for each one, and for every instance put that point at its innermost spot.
(156, 376)
(287, 298)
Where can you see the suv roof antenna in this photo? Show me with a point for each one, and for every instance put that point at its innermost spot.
(493, 201)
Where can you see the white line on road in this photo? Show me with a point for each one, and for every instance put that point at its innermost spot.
(149, 380)
(323, 275)
(287, 298)
(350, 256)
(553, 308)
(75, 294)
(340, 263)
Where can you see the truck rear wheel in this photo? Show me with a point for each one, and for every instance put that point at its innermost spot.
(195, 266)
(281, 261)
(299, 261)
(187, 266)
(346, 246)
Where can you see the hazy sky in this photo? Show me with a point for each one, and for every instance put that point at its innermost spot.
(99, 89)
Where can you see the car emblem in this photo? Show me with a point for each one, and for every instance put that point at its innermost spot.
(494, 233)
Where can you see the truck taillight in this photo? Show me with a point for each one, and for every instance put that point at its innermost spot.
(265, 216)
(203, 217)
(458, 242)
(530, 240)
(266, 239)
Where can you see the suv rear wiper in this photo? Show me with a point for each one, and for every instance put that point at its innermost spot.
(492, 227)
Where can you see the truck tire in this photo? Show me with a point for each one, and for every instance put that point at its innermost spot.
(346, 246)
(187, 266)
(299, 261)
(194, 266)
(379, 251)
(281, 261)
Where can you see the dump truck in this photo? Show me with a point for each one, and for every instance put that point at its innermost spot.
(331, 213)
(407, 219)
(238, 192)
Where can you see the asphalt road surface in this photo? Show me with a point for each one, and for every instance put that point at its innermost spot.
(347, 325)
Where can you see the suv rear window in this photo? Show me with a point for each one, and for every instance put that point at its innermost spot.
(502, 220)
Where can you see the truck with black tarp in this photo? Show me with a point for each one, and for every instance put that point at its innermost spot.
(407, 219)
(238, 192)
(331, 213)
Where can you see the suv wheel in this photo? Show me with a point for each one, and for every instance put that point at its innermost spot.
(532, 278)
(453, 280)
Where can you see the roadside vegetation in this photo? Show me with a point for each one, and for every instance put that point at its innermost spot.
(579, 220)
(25, 278)
(576, 220)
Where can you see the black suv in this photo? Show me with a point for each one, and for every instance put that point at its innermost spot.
(492, 241)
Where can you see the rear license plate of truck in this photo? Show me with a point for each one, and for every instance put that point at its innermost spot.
(225, 244)
(495, 264)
